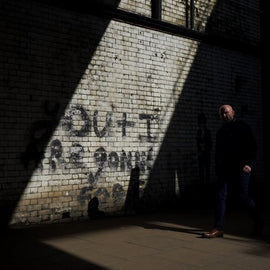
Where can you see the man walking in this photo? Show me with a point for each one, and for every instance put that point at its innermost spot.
(235, 155)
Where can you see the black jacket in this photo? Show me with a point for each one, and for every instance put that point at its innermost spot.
(235, 147)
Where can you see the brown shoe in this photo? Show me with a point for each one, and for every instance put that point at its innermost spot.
(214, 233)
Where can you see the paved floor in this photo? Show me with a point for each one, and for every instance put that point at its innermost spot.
(148, 242)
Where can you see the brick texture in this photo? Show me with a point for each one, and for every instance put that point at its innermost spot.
(99, 108)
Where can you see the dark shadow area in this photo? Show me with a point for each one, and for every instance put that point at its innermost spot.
(266, 86)
(195, 232)
(93, 209)
(22, 249)
(132, 197)
(191, 222)
(204, 148)
(72, 44)
(72, 49)
(39, 56)
(222, 81)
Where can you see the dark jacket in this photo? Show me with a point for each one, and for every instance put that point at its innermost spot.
(235, 147)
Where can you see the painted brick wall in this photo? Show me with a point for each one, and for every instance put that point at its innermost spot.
(98, 108)
(142, 7)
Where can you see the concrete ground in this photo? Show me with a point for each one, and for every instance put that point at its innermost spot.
(165, 240)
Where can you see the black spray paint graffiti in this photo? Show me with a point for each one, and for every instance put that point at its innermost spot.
(39, 134)
(101, 195)
(124, 123)
(56, 159)
(78, 113)
(77, 116)
(76, 155)
(103, 132)
(112, 160)
(149, 118)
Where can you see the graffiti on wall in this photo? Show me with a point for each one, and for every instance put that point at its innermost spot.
(103, 159)
(38, 135)
(78, 124)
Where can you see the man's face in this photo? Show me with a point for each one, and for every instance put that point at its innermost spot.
(226, 113)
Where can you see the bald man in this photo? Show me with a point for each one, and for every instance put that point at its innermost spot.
(235, 155)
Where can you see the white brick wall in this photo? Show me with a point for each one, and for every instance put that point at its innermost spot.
(108, 92)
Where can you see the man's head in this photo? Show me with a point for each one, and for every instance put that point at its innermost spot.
(226, 113)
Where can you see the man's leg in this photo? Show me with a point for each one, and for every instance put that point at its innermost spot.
(221, 196)
(250, 204)
(222, 193)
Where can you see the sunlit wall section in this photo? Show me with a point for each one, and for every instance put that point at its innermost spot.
(141, 7)
(175, 12)
(202, 10)
(114, 124)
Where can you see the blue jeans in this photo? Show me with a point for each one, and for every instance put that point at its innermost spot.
(241, 183)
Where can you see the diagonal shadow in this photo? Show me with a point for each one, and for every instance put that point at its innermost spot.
(71, 49)
(26, 246)
(21, 249)
(71, 45)
(43, 57)
(44, 52)
(176, 162)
